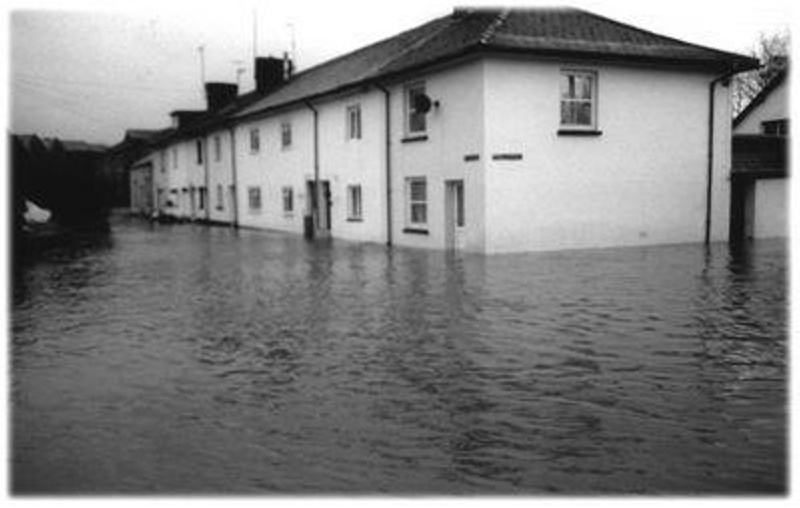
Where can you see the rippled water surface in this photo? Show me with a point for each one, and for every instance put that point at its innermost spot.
(180, 359)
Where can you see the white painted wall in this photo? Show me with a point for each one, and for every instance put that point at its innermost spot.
(274, 167)
(771, 208)
(643, 181)
(774, 107)
(177, 177)
(454, 129)
(345, 162)
(342, 162)
(143, 180)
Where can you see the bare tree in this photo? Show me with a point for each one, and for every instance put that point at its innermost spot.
(773, 52)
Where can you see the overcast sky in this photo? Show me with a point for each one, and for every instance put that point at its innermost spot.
(89, 70)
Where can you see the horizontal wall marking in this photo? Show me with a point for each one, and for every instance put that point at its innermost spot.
(507, 157)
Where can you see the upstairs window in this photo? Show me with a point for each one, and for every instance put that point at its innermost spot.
(175, 157)
(199, 146)
(354, 122)
(286, 135)
(354, 203)
(255, 140)
(417, 201)
(579, 100)
(415, 117)
(288, 200)
(163, 160)
(217, 148)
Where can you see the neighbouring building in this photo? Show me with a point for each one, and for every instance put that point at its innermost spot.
(61, 176)
(487, 130)
(126, 183)
(759, 178)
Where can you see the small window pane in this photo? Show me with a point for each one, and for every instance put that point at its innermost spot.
(584, 113)
(418, 191)
(585, 87)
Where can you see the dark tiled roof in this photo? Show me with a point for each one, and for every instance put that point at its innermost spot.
(776, 80)
(541, 32)
(359, 66)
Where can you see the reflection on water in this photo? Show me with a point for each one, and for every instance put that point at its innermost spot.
(191, 359)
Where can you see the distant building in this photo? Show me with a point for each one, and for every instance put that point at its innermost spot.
(117, 165)
(487, 130)
(759, 177)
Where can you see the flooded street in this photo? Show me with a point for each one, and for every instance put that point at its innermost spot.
(189, 359)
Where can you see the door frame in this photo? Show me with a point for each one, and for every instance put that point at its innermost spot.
(451, 212)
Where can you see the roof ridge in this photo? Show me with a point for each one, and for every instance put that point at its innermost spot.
(490, 30)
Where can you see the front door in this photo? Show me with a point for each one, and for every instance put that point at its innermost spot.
(454, 214)
(321, 199)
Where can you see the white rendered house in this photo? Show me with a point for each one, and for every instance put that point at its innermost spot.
(492, 130)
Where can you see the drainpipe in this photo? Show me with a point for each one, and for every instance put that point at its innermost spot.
(388, 163)
(710, 168)
(315, 200)
(234, 179)
(207, 178)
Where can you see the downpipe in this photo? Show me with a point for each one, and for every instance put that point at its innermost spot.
(234, 179)
(316, 198)
(710, 159)
(388, 141)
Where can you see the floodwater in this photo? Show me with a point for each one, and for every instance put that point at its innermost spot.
(191, 359)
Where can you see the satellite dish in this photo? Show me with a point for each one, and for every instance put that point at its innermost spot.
(422, 103)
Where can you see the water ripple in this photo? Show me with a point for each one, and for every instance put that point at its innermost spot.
(192, 359)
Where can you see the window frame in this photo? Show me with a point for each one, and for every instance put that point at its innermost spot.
(254, 197)
(593, 101)
(255, 140)
(407, 109)
(353, 122)
(217, 148)
(355, 207)
(411, 203)
(286, 135)
(199, 148)
(287, 197)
